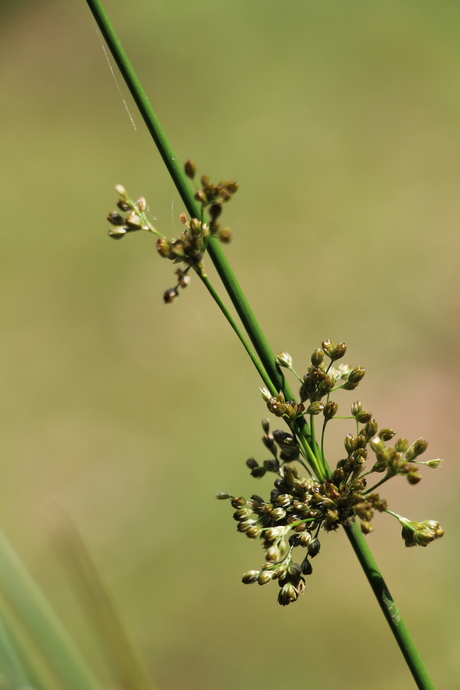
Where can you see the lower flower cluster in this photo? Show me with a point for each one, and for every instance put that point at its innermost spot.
(300, 506)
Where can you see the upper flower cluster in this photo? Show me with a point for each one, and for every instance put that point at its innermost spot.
(192, 243)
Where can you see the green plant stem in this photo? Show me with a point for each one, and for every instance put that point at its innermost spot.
(181, 182)
(389, 608)
(252, 328)
(216, 297)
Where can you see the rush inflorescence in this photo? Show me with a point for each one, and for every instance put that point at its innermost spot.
(299, 507)
(189, 248)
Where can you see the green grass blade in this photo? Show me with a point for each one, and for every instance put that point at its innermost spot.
(30, 606)
(124, 663)
(38, 669)
(13, 674)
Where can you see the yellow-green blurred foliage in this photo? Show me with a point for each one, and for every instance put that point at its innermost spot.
(340, 120)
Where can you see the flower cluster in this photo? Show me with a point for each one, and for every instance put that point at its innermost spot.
(300, 506)
(192, 243)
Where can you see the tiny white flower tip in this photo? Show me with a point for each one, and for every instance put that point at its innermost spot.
(265, 394)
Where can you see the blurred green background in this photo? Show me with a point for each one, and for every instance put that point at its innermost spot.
(341, 123)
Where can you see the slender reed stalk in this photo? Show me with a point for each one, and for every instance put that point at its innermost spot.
(263, 358)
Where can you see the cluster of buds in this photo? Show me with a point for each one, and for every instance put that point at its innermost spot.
(299, 507)
(419, 533)
(401, 458)
(212, 197)
(281, 525)
(192, 243)
(280, 407)
(133, 218)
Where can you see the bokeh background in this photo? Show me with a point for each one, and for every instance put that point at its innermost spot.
(341, 123)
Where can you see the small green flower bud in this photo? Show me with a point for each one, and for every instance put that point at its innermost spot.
(317, 357)
(433, 463)
(195, 226)
(366, 527)
(284, 500)
(256, 501)
(300, 528)
(133, 221)
(238, 501)
(386, 434)
(123, 205)
(242, 513)
(223, 495)
(273, 533)
(294, 571)
(306, 566)
(250, 577)
(338, 351)
(115, 218)
(184, 281)
(330, 410)
(370, 428)
(224, 235)
(315, 407)
(164, 247)
(401, 445)
(359, 414)
(377, 444)
(121, 190)
(413, 477)
(210, 190)
(354, 378)
(287, 594)
(170, 296)
(266, 395)
(272, 554)
(277, 513)
(215, 211)
(361, 442)
(356, 408)
(117, 233)
(177, 248)
(328, 347)
(284, 359)
(201, 197)
(356, 375)
(338, 476)
(314, 547)
(190, 169)
(416, 449)
(264, 577)
(253, 532)
(258, 472)
(252, 463)
(350, 443)
(231, 186)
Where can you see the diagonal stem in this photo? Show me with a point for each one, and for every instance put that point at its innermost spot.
(389, 608)
(256, 335)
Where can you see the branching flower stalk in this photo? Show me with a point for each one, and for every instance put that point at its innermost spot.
(299, 507)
